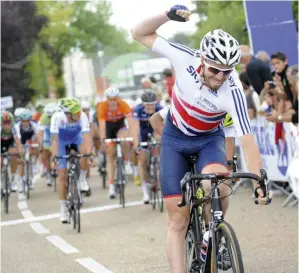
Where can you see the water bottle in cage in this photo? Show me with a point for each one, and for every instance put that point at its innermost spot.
(204, 246)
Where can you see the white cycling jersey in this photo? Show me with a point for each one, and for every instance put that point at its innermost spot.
(66, 130)
(196, 108)
(164, 111)
(33, 128)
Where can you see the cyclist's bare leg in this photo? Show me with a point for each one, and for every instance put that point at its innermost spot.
(224, 189)
(125, 146)
(62, 183)
(13, 168)
(46, 155)
(13, 160)
(110, 162)
(178, 220)
(143, 165)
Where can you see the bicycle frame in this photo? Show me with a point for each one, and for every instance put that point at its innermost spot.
(193, 181)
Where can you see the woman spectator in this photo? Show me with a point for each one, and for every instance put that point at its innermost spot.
(291, 114)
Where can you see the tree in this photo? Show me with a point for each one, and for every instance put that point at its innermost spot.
(79, 25)
(215, 14)
(227, 15)
(20, 28)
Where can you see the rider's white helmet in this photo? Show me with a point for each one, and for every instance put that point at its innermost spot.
(18, 111)
(111, 92)
(220, 47)
(85, 105)
(50, 108)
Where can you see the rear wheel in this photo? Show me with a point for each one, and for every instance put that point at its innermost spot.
(228, 252)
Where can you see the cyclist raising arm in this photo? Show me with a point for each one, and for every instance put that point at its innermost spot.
(206, 88)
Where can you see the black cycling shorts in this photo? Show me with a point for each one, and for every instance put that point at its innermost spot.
(112, 128)
(6, 144)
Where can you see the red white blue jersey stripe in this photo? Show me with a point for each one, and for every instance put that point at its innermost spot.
(195, 108)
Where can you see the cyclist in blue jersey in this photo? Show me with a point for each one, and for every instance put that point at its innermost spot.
(44, 125)
(69, 127)
(141, 129)
(206, 88)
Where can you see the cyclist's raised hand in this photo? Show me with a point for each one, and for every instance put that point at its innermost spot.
(179, 13)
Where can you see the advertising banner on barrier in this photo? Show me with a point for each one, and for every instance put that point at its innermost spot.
(277, 156)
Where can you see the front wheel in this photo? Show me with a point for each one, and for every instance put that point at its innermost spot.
(228, 257)
(6, 194)
(27, 182)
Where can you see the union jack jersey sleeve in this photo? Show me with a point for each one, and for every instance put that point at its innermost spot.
(238, 107)
(176, 53)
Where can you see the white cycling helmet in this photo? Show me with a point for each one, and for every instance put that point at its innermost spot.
(111, 92)
(220, 47)
(50, 108)
(85, 105)
(18, 111)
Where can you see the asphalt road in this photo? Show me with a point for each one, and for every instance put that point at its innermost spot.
(132, 240)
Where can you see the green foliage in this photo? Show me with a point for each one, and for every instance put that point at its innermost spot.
(81, 25)
(38, 64)
(227, 15)
(295, 9)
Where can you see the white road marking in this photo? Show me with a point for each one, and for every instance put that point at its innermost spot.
(62, 244)
(27, 214)
(93, 266)
(39, 228)
(22, 205)
(57, 215)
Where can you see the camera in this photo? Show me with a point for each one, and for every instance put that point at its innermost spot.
(271, 84)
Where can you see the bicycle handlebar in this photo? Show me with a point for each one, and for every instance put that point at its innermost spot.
(146, 143)
(219, 176)
(123, 139)
(7, 154)
(33, 145)
(73, 155)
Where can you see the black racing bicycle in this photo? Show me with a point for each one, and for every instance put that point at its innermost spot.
(27, 183)
(153, 170)
(74, 196)
(222, 251)
(5, 190)
(120, 169)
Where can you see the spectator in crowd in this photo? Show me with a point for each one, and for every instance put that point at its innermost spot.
(263, 56)
(280, 64)
(151, 83)
(258, 71)
(252, 98)
(146, 82)
(290, 115)
(168, 81)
